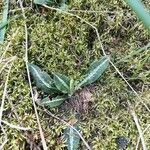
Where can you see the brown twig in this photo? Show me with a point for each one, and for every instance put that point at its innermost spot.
(136, 120)
(138, 141)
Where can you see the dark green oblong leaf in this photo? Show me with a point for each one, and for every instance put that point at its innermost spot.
(54, 102)
(3, 24)
(62, 82)
(63, 5)
(95, 71)
(42, 79)
(71, 137)
(42, 2)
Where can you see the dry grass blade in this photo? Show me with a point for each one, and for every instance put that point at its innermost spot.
(5, 141)
(92, 11)
(137, 95)
(26, 61)
(10, 60)
(2, 106)
(15, 126)
(135, 118)
(4, 94)
(138, 141)
(8, 45)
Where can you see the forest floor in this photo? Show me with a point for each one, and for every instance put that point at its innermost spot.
(64, 43)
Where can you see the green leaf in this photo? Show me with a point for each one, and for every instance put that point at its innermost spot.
(72, 87)
(42, 79)
(94, 72)
(4, 21)
(3, 24)
(140, 11)
(71, 137)
(41, 2)
(44, 2)
(54, 102)
(62, 82)
(63, 5)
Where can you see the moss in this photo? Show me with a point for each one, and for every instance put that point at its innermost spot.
(60, 43)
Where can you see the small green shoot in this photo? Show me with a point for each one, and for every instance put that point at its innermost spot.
(63, 85)
(71, 137)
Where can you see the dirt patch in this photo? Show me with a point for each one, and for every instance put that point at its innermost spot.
(81, 101)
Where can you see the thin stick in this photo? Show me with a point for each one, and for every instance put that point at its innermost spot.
(137, 145)
(8, 45)
(137, 95)
(32, 95)
(2, 107)
(86, 144)
(92, 11)
(6, 139)
(10, 60)
(18, 9)
(137, 125)
(4, 94)
(15, 126)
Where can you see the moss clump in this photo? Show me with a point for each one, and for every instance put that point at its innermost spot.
(62, 43)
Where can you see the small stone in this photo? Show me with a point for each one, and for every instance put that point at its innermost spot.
(122, 142)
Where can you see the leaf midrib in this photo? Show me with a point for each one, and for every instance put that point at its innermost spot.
(46, 84)
(53, 101)
(71, 139)
(62, 81)
(92, 73)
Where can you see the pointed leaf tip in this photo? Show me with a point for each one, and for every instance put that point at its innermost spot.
(95, 71)
(42, 79)
(62, 82)
(55, 102)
